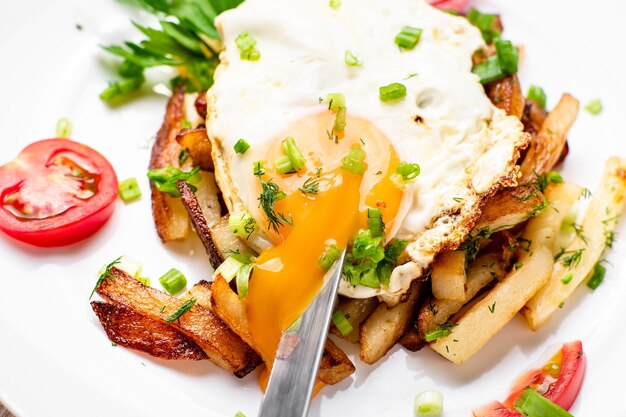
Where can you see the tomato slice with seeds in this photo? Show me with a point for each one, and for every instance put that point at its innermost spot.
(56, 192)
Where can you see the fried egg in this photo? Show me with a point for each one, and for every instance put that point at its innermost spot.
(465, 146)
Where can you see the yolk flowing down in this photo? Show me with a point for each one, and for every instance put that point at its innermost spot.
(277, 298)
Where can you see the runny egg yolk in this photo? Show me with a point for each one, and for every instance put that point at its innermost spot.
(287, 276)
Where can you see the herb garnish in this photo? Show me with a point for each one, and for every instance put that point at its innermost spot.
(106, 274)
(270, 194)
(181, 310)
(312, 184)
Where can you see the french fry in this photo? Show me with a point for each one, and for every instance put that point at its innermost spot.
(199, 221)
(226, 241)
(586, 248)
(356, 310)
(130, 329)
(335, 365)
(170, 217)
(385, 326)
(544, 228)
(448, 277)
(508, 208)
(482, 272)
(221, 345)
(487, 316)
(201, 291)
(198, 145)
(547, 146)
(507, 95)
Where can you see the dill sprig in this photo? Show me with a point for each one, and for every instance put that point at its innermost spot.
(270, 194)
(181, 310)
(571, 258)
(104, 275)
(312, 184)
(578, 230)
(541, 182)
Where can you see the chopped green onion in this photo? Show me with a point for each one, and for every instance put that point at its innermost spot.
(375, 222)
(408, 170)
(567, 278)
(283, 165)
(257, 168)
(187, 305)
(240, 414)
(340, 120)
(393, 251)
(537, 95)
(173, 281)
(242, 224)
(247, 47)
(428, 404)
(228, 269)
(507, 55)
(486, 23)
(290, 148)
(353, 162)
(119, 89)
(165, 179)
(129, 265)
(243, 276)
(144, 280)
(408, 37)
(185, 124)
(329, 257)
(245, 41)
(335, 101)
(241, 146)
(183, 155)
(370, 279)
(64, 128)
(341, 322)
(351, 59)
(392, 91)
(594, 107)
(335, 4)
(129, 190)
(367, 246)
(436, 334)
(533, 404)
(489, 70)
(597, 276)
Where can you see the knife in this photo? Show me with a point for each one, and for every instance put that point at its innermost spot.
(299, 354)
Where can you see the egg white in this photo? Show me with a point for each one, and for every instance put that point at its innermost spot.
(466, 147)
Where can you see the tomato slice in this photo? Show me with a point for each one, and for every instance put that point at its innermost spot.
(560, 381)
(56, 192)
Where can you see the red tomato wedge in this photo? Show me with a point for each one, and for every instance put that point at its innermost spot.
(560, 381)
(56, 192)
(456, 5)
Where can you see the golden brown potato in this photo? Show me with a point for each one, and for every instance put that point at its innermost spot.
(356, 310)
(508, 208)
(170, 217)
(130, 329)
(579, 257)
(224, 240)
(198, 145)
(201, 291)
(448, 276)
(221, 345)
(487, 316)
(335, 365)
(506, 94)
(547, 146)
(385, 326)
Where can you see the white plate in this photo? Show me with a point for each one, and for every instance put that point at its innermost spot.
(54, 356)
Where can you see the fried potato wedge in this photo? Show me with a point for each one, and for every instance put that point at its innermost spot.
(487, 316)
(356, 311)
(448, 276)
(385, 326)
(170, 217)
(221, 345)
(199, 221)
(544, 228)
(224, 240)
(586, 248)
(130, 329)
(432, 312)
(506, 94)
(508, 208)
(198, 145)
(335, 365)
(201, 291)
(547, 146)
